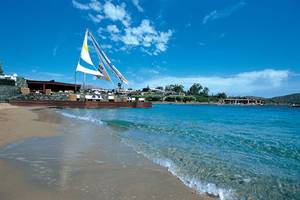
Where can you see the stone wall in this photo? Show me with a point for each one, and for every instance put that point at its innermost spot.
(36, 97)
(8, 91)
(10, 88)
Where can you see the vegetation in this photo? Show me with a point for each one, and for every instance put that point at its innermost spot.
(221, 95)
(195, 89)
(179, 89)
(177, 93)
(287, 99)
(205, 92)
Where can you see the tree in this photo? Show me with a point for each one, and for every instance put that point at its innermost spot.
(178, 89)
(160, 88)
(1, 69)
(147, 89)
(205, 91)
(169, 88)
(195, 89)
(221, 95)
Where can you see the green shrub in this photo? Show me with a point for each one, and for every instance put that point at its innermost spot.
(201, 99)
(179, 98)
(170, 98)
(154, 98)
(189, 98)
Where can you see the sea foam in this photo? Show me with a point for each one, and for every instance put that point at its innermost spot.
(194, 183)
(84, 118)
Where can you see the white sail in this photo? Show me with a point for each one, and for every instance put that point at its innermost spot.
(85, 55)
(80, 68)
(102, 69)
(102, 55)
(113, 68)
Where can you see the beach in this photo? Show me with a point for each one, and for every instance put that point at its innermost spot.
(44, 155)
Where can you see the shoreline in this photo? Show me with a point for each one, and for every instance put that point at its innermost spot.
(215, 104)
(144, 178)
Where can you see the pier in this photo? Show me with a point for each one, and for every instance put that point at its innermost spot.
(247, 101)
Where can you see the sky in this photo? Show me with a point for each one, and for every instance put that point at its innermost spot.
(249, 47)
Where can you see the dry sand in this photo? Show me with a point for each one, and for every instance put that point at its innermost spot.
(79, 179)
(20, 122)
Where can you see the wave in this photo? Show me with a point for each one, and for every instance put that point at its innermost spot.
(194, 183)
(84, 118)
(191, 182)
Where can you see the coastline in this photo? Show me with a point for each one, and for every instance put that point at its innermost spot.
(138, 178)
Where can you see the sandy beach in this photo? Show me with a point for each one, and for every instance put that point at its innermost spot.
(95, 167)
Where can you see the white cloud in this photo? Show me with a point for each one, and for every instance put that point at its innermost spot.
(116, 13)
(215, 14)
(246, 83)
(112, 29)
(80, 6)
(95, 18)
(93, 5)
(136, 3)
(55, 50)
(106, 46)
(122, 31)
(145, 35)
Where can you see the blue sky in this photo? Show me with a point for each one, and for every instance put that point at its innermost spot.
(240, 47)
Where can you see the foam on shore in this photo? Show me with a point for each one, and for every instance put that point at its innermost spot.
(194, 183)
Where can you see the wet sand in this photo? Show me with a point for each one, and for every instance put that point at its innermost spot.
(46, 156)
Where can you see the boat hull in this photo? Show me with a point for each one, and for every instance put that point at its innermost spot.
(82, 104)
(296, 106)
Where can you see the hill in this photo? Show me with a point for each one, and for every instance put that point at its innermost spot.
(287, 99)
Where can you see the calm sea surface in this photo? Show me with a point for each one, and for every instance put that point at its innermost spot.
(236, 152)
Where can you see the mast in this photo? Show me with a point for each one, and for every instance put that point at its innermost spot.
(75, 74)
(102, 55)
(86, 58)
(84, 79)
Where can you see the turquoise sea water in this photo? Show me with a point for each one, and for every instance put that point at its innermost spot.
(235, 152)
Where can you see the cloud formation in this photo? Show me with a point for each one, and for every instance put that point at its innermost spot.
(144, 35)
(136, 3)
(93, 5)
(121, 30)
(246, 83)
(218, 14)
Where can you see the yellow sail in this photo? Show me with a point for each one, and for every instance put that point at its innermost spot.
(85, 55)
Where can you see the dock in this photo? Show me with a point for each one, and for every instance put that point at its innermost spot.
(82, 104)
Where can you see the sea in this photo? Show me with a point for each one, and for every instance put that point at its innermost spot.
(233, 152)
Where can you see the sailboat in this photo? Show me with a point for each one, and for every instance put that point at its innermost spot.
(100, 71)
(86, 66)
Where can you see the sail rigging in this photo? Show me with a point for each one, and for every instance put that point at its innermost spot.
(104, 61)
(109, 64)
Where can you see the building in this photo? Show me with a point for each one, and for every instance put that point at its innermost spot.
(53, 86)
(247, 101)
